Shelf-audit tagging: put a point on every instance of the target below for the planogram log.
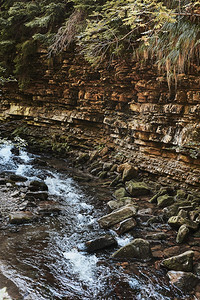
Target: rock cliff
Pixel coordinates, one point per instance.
(125, 106)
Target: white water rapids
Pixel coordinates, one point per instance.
(46, 260)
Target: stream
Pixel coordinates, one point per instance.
(47, 259)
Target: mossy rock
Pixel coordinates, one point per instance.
(138, 248)
(182, 262)
(177, 221)
(182, 234)
(120, 193)
(136, 189)
(165, 200)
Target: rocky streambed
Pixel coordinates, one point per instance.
(109, 233)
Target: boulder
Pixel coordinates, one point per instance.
(185, 281)
(182, 234)
(138, 248)
(120, 193)
(20, 217)
(121, 167)
(104, 241)
(17, 178)
(156, 236)
(126, 225)
(137, 188)
(129, 173)
(181, 262)
(115, 204)
(42, 196)
(37, 185)
(2, 181)
(165, 200)
(48, 208)
(177, 221)
(117, 216)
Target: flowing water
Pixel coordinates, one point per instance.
(47, 259)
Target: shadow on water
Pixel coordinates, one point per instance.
(46, 259)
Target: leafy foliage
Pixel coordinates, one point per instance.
(164, 32)
(24, 25)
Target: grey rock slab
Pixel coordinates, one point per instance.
(117, 216)
(138, 248)
(126, 225)
(137, 188)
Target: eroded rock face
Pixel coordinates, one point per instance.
(182, 262)
(92, 108)
(138, 248)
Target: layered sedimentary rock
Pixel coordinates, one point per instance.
(125, 106)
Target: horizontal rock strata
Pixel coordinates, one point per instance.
(126, 107)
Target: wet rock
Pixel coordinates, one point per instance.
(48, 207)
(15, 194)
(138, 248)
(103, 174)
(183, 213)
(15, 151)
(120, 193)
(17, 178)
(154, 219)
(114, 168)
(95, 171)
(156, 236)
(185, 281)
(83, 157)
(37, 185)
(129, 173)
(181, 194)
(117, 216)
(20, 217)
(107, 166)
(40, 162)
(101, 242)
(2, 181)
(121, 167)
(42, 196)
(177, 221)
(145, 211)
(116, 180)
(165, 200)
(182, 234)
(137, 188)
(115, 204)
(182, 262)
(126, 225)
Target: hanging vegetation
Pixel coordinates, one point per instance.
(164, 32)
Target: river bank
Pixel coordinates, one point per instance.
(109, 180)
